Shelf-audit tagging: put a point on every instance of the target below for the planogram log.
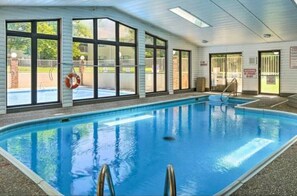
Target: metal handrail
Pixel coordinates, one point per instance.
(105, 172)
(234, 80)
(170, 185)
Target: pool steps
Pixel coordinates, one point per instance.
(169, 189)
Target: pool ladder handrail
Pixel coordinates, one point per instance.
(234, 80)
(170, 183)
(105, 172)
(169, 189)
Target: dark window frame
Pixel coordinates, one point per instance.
(34, 36)
(155, 47)
(95, 41)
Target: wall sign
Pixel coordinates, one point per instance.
(203, 63)
(293, 57)
(271, 80)
(250, 73)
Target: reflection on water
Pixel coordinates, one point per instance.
(69, 155)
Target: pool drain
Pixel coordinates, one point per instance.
(65, 120)
(168, 138)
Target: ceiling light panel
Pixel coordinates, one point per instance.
(190, 17)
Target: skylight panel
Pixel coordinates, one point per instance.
(190, 17)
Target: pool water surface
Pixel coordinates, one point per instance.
(210, 147)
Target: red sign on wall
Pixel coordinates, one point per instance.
(250, 73)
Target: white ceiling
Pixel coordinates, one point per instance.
(232, 21)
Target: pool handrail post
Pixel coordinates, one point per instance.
(170, 183)
(105, 172)
(234, 80)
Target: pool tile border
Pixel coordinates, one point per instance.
(47, 188)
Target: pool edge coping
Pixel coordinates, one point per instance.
(56, 117)
(236, 184)
(35, 178)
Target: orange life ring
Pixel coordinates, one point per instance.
(69, 81)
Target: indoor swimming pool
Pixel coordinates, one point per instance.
(210, 146)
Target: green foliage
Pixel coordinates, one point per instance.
(19, 44)
(47, 49)
(19, 26)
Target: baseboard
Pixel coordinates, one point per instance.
(286, 94)
(250, 92)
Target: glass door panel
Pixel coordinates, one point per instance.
(149, 70)
(161, 70)
(218, 77)
(176, 68)
(185, 70)
(234, 70)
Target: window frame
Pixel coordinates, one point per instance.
(155, 47)
(34, 37)
(95, 41)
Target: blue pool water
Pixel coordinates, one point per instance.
(213, 146)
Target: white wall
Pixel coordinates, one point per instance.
(288, 76)
(66, 14)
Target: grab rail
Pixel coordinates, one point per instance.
(234, 80)
(105, 172)
(170, 185)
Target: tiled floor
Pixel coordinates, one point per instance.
(276, 178)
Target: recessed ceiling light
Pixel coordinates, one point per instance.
(267, 35)
(190, 17)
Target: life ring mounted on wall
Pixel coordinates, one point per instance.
(69, 81)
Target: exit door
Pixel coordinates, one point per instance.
(269, 72)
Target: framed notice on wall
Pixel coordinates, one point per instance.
(293, 57)
(250, 73)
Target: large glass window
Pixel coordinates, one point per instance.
(32, 62)
(155, 64)
(181, 67)
(113, 70)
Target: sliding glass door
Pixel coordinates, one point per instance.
(223, 68)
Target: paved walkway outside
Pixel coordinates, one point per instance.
(277, 178)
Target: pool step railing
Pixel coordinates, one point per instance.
(234, 91)
(169, 189)
(105, 173)
(170, 184)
